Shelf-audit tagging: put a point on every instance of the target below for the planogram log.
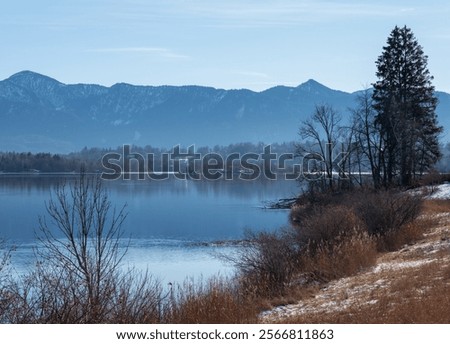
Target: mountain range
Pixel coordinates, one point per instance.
(38, 113)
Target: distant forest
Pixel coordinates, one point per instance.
(90, 158)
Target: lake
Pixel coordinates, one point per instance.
(173, 224)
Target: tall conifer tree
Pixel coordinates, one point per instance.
(405, 103)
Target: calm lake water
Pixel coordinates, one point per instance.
(171, 223)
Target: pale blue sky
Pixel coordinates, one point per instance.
(224, 44)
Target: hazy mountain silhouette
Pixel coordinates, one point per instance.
(38, 113)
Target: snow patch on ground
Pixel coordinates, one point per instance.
(430, 248)
(338, 296)
(401, 265)
(441, 191)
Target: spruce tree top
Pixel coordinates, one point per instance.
(402, 70)
(405, 103)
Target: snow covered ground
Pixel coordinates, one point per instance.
(441, 191)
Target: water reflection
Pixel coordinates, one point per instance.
(159, 212)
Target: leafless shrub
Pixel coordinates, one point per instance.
(5, 256)
(309, 202)
(327, 225)
(329, 242)
(335, 241)
(266, 264)
(78, 278)
(82, 244)
(137, 299)
(396, 239)
(431, 179)
(384, 213)
(51, 295)
(380, 211)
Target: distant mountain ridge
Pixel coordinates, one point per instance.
(38, 113)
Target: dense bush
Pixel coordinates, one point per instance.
(326, 226)
(335, 242)
(328, 242)
(267, 263)
(333, 235)
(387, 211)
(383, 214)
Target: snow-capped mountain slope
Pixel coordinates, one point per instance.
(38, 113)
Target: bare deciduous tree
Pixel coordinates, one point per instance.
(323, 130)
(5, 255)
(367, 134)
(78, 277)
(82, 239)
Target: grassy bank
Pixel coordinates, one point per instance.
(408, 285)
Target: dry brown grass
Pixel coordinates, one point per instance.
(327, 226)
(409, 285)
(212, 302)
(405, 235)
(346, 257)
(435, 206)
(331, 242)
(413, 296)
